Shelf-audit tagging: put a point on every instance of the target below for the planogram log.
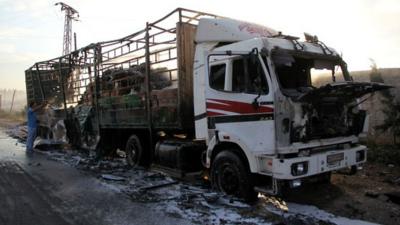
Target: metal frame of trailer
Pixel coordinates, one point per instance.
(120, 79)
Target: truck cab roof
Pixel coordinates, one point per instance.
(245, 36)
(230, 30)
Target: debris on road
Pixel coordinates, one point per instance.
(19, 132)
(371, 194)
(391, 180)
(210, 197)
(195, 201)
(394, 197)
(112, 177)
(198, 203)
(34, 164)
(150, 187)
(396, 181)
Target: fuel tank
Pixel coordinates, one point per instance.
(180, 155)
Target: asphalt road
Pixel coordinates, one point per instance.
(35, 190)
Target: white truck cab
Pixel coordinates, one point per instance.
(287, 109)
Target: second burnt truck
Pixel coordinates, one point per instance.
(254, 108)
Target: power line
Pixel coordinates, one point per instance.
(70, 15)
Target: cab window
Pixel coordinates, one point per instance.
(248, 76)
(217, 77)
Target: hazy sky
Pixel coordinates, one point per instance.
(31, 30)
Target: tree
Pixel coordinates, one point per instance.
(391, 122)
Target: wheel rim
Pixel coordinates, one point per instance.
(228, 180)
(132, 153)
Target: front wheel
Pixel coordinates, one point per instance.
(229, 175)
(134, 151)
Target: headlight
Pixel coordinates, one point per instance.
(300, 168)
(295, 183)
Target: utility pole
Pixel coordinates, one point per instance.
(12, 101)
(70, 15)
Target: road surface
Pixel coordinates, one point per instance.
(38, 191)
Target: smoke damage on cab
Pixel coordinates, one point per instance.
(321, 95)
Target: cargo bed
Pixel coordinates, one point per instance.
(143, 80)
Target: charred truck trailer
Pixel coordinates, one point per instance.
(256, 109)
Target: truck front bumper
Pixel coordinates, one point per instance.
(299, 167)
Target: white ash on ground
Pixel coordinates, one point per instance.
(192, 200)
(19, 132)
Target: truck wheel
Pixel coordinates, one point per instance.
(230, 176)
(133, 151)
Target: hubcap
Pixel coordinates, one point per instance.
(132, 153)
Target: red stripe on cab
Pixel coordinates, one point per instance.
(237, 107)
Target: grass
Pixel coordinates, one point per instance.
(387, 154)
(19, 116)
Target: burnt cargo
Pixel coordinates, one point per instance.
(122, 94)
(142, 80)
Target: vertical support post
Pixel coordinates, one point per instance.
(96, 62)
(73, 80)
(148, 87)
(92, 88)
(63, 83)
(12, 101)
(30, 89)
(40, 82)
(75, 45)
(0, 102)
(180, 15)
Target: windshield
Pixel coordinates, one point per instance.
(300, 74)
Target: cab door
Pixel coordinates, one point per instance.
(239, 101)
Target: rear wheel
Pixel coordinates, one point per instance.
(229, 175)
(134, 151)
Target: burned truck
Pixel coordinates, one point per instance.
(253, 109)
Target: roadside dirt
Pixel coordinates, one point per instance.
(361, 196)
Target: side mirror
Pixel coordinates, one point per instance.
(253, 56)
(264, 52)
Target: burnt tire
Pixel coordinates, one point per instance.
(230, 176)
(133, 151)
